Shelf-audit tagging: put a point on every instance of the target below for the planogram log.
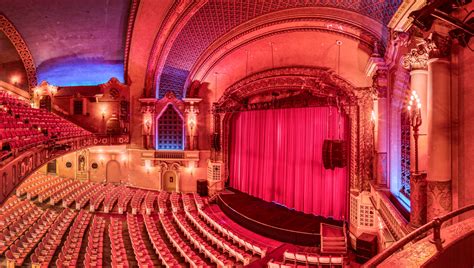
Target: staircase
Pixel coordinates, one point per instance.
(333, 239)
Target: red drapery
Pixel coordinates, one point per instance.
(276, 155)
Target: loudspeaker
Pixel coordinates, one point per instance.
(216, 142)
(202, 187)
(334, 154)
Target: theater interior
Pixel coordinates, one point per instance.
(236, 133)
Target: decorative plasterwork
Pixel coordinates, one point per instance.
(131, 22)
(177, 17)
(217, 17)
(435, 46)
(319, 82)
(114, 90)
(20, 45)
(281, 22)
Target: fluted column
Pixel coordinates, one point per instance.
(439, 190)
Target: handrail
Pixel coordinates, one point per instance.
(435, 224)
(270, 226)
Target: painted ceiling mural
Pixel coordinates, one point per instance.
(217, 17)
(73, 42)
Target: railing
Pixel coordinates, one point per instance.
(437, 240)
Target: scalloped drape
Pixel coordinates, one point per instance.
(276, 155)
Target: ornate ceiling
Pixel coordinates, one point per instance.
(86, 42)
(218, 17)
(72, 42)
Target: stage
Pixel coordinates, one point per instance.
(273, 220)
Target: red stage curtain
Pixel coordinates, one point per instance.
(276, 155)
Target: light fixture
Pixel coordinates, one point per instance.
(103, 113)
(414, 110)
(373, 117)
(15, 79)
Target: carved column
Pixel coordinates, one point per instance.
(191, 121)
(439, 128)
(148, 124)
(381, 140)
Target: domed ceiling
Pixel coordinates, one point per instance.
(72, 42)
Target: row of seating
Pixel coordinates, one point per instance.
(10, 234)
(137, 201)
(312, 259)
(71, 197)
(174, 198)
(112, 198)
(65, 192)
(119, 253)
(96, 200)
(23, 127)
(46, 249)
(95, 243)
(54, 189)
(70, 250)
(86, 196)
(37, 190)
(253, 246)
(34, 181)
(14, 210)
(18, 251)
(190, 255)
(139, 248)
(149, 204)
(162, 201)
(159, 244)
(219, 258)
(218, 239)
(125, 196)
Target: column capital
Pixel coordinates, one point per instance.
(417, 58)
(380, 82)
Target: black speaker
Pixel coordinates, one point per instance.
(334, 154)
(216, 142)
(202, 187)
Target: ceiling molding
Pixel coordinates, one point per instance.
(128, 39)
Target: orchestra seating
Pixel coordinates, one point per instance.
(158, 228)
(23, 127)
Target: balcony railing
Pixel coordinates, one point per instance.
(434, 225)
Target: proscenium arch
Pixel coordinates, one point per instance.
(355, 102)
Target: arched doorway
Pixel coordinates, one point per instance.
(113, 172)
(170, 181)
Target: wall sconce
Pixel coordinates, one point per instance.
(414, 109)
(101, 160)
(147, 166)
(15, 80)
(103, 113)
